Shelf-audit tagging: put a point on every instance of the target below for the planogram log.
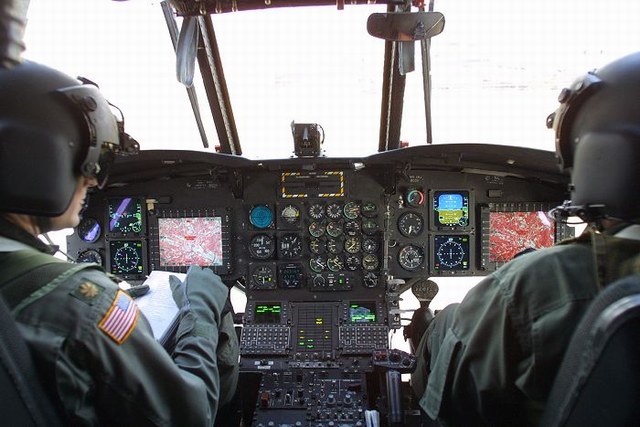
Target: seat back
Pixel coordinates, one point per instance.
(598, 382)
(23, 400)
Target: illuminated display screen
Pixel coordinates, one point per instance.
(267, 313)
(315, 325)
(362, 312)
(451, 209)
(125, 215)
(126, 257)
(510, 233)
(190, 241)
(451, 252)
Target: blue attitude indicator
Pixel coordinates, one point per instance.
(261, 216)
(451, 209)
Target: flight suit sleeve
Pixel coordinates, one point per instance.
(112, 368)
(470, 353)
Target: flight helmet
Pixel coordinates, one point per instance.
(597, 127)
(53, 129)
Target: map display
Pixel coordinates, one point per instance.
(513, 232)
(190, 241)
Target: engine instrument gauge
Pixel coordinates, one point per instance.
(335, 263)
(352, 228)
(261, 246)
(370, 280)
(369, 245)
(261, 216)
(415, 198)
(316, 229)
(352, 245)
(370, 262)
(334, 229)
(89, 230)
(410, 224)
(369, 209)
(290, 246)
(317, 246)
(369, 226)
(353, 262)
(334, 246)
(316, 211)
(351, 210)
(317, 264)
(334, 211)
(411, 257)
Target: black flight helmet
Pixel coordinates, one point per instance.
(597, 128)
(53, 129)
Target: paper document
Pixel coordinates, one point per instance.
(158, 305)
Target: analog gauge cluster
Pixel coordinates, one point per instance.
(343, 236)
(322, 242)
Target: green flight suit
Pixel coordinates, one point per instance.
(491, 359)
(100, 362)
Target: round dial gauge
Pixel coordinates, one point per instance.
(290, 246)
(334, 246)
(415, 198)
(89, 230)
(450, 253)
(263, 277)
(261, 246)
(334, 229)
(370, 262)
(290, 214)
(353, 262)
(369, 245)
(334, 211)
(410, 224)
(369, 209)
(351, 210)
(317, 264)
(317, 246)
(352, 228)
(369, 226)
(335, 263)
(352, 245)
(261, 216)
(316, 211)
(411, 257)
(316, 229)
(90, 256)
(126, 259)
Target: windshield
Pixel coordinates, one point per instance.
(496, 69)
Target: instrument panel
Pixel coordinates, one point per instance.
(320, 247)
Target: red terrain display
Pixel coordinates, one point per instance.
(190, 241)
(513, 232)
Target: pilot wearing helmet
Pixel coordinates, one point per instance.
(94, 350)
(492, 359)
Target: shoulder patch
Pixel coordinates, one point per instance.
(87, 292)
(120, 319)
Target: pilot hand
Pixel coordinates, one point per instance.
(420, 321)
(202, 293)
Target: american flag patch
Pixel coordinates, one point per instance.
(120, 319)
